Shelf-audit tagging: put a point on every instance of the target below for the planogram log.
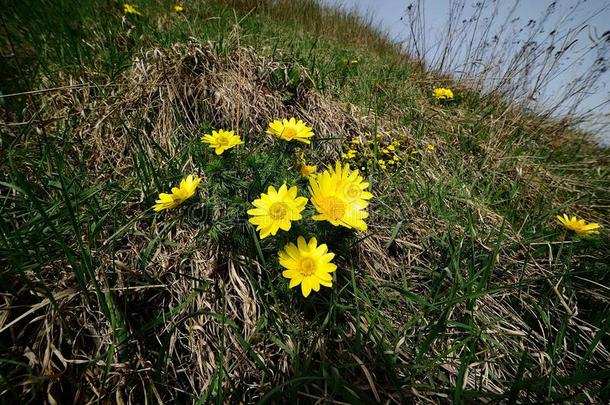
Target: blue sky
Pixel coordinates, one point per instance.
(567, 15)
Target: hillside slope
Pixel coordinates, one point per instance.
(463, 287)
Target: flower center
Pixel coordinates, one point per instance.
(352, 191)
(223, 141)
(308, 266)
(334, 208)
(278, 210)
(289, 132)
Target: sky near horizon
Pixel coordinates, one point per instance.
(390, 16)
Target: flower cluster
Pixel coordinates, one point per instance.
(133, 10)
(384, 150)
(130, 9)
(443, 94)
(338, 194)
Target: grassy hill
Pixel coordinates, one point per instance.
(463, 287)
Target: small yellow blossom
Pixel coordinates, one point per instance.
(350, 154)
(179, 194)
(353, 61)
(130, 9)
(178, 8)
(303, 168)
(307, 170)
(307, 264)
(222, 140)
(391, 147)
(290, 130)
(442, 93)
(355, 141)
(578, 225)
(430, 147)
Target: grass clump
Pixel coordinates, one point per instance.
(463, 285)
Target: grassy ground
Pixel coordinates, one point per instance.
(463, 288)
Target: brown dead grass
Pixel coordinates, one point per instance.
(168, 93)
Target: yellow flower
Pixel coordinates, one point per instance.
(350, 154)
(441, 93)
(307, 264)
(430, 147)
(307, 170)
(130, 9)
(338, 198)
(578, 225)
(353, 61)
(304, 169)
(355, 141)
(289, 130)
(186, 190)
(275, 210)
(178, 8)
(222, 140)
(391, 147)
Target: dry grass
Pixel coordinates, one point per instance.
(171, 92)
